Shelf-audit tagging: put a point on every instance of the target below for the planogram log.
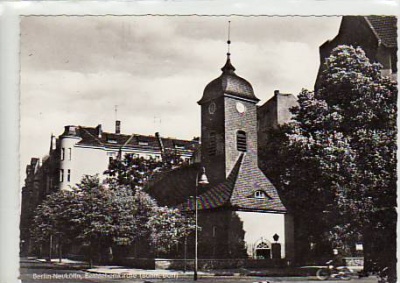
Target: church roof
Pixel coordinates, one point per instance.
(236, 192)
(385, 29)
(228, 83)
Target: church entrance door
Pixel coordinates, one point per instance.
(263, 251)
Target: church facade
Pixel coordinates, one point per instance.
(240, 212)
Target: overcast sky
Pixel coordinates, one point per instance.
(74, 70)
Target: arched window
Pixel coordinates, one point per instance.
(263, 250)
(212, 144)
(241, 141)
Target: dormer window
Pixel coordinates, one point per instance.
(260, 194)
(241, 141)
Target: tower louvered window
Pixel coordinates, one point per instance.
(212, 145)
(241, 141)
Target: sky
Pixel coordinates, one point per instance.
(76, 69)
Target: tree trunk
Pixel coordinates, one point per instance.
(59, 249)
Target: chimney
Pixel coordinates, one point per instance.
(99, 131)
(53, 143)
(69, 130)
(160, 143)
(117, 127)
(276, 92)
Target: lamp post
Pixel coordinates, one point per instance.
(199, 181)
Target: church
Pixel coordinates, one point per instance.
(240, 213)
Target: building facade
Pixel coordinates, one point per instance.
(88, 150)
(273, 113)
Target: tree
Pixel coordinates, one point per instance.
(161, 227)
(105, 215)
(337, 159)
(136, 172)
(93, 214)
(167, 227)
(52, 219)
(114, 213)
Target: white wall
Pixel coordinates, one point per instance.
(259, 225)
(89, 161)
(67, 161)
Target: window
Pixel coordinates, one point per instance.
(259, 194)
(241, 141)
(69, 153)
(69, 175)
(62, 153)
(212, 144)
(61, 175)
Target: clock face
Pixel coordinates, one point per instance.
(240, 107)
(212, 108)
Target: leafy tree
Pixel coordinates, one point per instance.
(93, 214)
(337, 159)
(167, 227)
(117, 212)
(136, 172)
(52, 219)
(161, 227)
(105, 215)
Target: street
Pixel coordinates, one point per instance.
(34, 272)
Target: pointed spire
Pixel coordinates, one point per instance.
(229, 38)
(228, 65)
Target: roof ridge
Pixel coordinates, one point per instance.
(212, 197)
(131, 136)
(373, 29)
(235, 170)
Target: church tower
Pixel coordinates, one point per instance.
(228, 123)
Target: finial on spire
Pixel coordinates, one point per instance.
(229, 38)
(228, 68)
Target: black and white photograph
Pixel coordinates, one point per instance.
(183, 148)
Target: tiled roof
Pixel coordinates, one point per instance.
(176, 186)
(237, 191)
(228, 83)
(249, 180)
(89, 137)
(218, 195)
(385, 27)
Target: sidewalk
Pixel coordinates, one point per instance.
(127, 272)
(163, 273)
